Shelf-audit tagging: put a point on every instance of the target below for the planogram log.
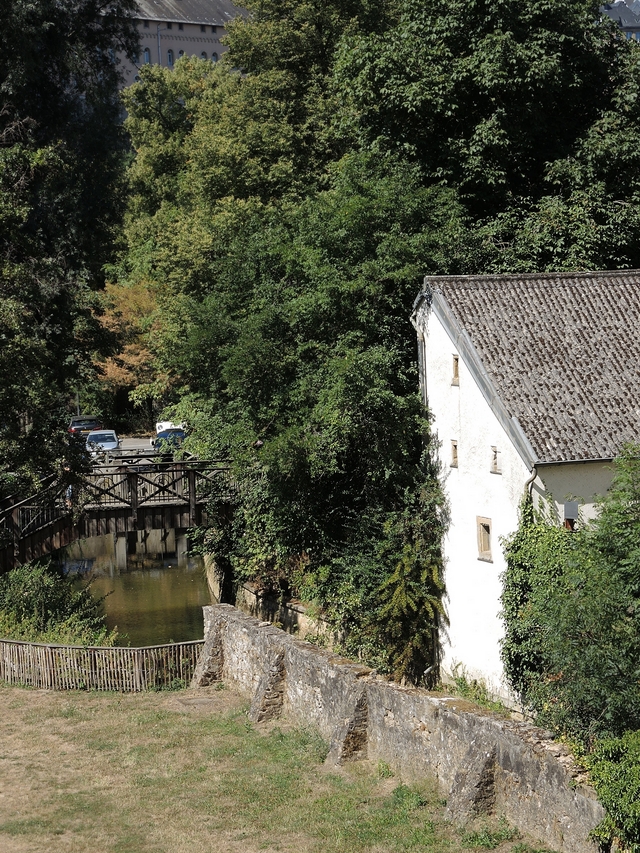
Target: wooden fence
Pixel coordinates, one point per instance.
(127, 670)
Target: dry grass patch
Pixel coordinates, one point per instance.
(186, 772)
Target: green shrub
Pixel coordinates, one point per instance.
(615, 770)
(571, 606)
(38, 604)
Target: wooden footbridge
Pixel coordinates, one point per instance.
(118, 498)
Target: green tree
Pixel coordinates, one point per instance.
(61, 158)
(530, 110)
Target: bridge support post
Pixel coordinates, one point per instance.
(15, 529)
(132, 483)
(191, 475)
(121, 551)
(182, 546)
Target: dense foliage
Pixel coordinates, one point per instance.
(38, 604)
(572, 643)
(280, 221)
(61, 159)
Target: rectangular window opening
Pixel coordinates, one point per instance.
(203, 29)
(180, 26)
(456, 371)
(484, 539)
(145, 24)
(495, 461)
(169, 25)
(454, 454)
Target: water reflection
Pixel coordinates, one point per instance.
(150, 601)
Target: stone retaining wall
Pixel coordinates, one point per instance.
(483, 763)
(290, 615)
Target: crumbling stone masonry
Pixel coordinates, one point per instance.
(483, 763)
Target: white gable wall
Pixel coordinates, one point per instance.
(461, 413)
(581, 481)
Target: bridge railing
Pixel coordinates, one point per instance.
(150, 483)
(126, 494)
(123, 669)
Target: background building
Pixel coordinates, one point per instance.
(626, 15)
(170, 29)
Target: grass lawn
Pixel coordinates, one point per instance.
(185, 771)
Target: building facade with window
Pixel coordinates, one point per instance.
(626, 15)
(532, 385)
(170, 29)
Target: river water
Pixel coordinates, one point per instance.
(150, 601)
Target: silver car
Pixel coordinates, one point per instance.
(102, 442)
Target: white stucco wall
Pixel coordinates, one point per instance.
(461, 413)
(581, 481)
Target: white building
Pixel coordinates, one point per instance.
(532, 381)
(170, 29)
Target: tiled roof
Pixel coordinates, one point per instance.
(562, 352)
(214, 12)
(621, 14)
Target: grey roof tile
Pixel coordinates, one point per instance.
(214, 12)
(562, 351)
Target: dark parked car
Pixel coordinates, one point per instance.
(84, 424)
(169, 438)
(168, 442)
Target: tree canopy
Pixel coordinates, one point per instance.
(61, 161)
(284, 205)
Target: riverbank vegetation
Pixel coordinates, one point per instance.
(572, 646)
(38, 604)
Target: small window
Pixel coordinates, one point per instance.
(170, 59)
(484, 539)
(136, 79)
(146, 56)
(203, 29)
(169, 25)
(214, 57)
(213, 30)
(203, 55)
(180, 53)
(455, 379)
(495, 461)
(180, 26)
(145, 24)
(454, 454)
(570, 514)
